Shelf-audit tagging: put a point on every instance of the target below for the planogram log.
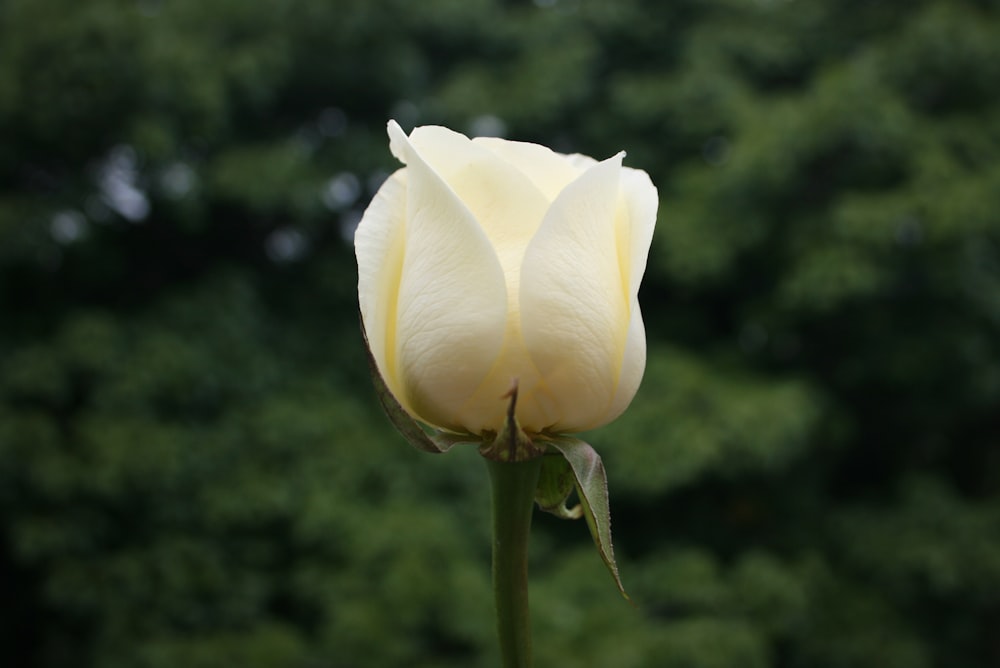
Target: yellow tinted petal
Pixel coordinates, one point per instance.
(639, 205)
(633, 365)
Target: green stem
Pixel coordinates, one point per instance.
(513, 487)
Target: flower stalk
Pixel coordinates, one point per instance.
(513, 485)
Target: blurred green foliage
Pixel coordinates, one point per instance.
(193, 469)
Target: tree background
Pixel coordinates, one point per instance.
(193, 468)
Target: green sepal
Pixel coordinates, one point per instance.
(432, 440)
(555, 484)
(592, 489)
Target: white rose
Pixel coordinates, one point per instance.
(487, 261)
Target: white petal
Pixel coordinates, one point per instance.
(378, 244)
(452, 312)
(549, 171)
(580, 161)
(574, 315)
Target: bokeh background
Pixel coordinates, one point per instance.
(193, 467)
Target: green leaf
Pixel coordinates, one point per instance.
(592, 488)
(436, 442)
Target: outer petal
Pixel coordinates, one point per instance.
(452, 306)
(378, 244)
(634, 224)
(574, 314)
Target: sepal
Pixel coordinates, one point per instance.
(555, 485)
(510, 444)
(592, 490)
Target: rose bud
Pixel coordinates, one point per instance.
(486, 262)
